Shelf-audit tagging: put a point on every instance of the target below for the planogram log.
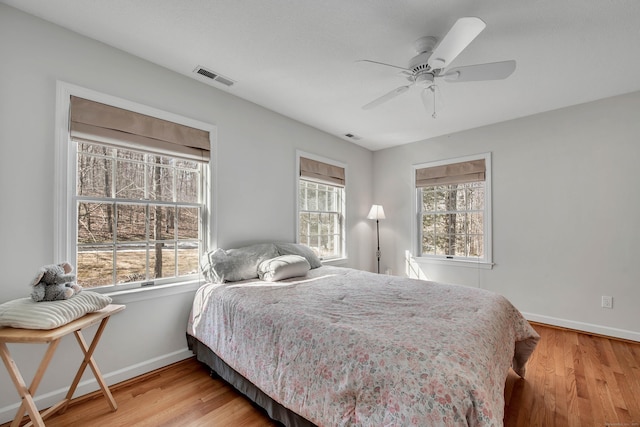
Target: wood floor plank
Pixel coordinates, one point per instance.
(569, 344)
(602, 415)
(629, 399)
(585, 410)
(572, 380)
(561, 389)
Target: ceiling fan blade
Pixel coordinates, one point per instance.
(472, 73)
(455, 41)
(386, 97)
(384, 64)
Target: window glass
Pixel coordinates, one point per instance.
(320, 218)
(139, 216)
(452, 220)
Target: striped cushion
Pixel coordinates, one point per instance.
(27, 314)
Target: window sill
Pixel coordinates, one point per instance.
(455, 262)
(150, 292)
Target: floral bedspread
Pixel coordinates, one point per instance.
(342, 347)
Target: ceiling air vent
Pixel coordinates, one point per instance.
(213, 76)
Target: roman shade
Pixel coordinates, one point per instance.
(454, 173)
(323, 172)
(95, 122)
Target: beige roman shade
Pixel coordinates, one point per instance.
(319, 171)
(95, 122)
(454, 173)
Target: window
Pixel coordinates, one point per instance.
(321, 207)
(134, 190)
(454, 215)
(138, 215)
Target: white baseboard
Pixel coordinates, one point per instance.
(585, 327)
(48, 399)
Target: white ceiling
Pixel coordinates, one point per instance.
(298, 57)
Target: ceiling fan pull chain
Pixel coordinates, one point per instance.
(433, 90)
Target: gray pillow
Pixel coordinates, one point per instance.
(283, 267)
(232, 265)
(298, 249)
(28, 314)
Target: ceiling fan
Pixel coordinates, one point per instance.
(431, 62)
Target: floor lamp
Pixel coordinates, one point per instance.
(377, 213)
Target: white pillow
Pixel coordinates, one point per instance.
(305, 251)
(232, 265)
(283, 267)
(28, 314)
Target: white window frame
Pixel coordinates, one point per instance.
(343, 242)
(487, 261)
(65, 221)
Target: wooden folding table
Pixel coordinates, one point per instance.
(53, 336)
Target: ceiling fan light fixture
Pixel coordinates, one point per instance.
(424, 79)
(432, 100)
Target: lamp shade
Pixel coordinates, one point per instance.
(376, 212)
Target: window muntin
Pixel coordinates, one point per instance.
(321, 218)
(138, 216)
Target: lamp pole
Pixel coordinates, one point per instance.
(377, 213)
(378, 251)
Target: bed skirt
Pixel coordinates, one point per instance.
(275, 410)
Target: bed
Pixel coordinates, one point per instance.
(341, 347)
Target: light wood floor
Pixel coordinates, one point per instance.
(572, 379)
(576, 379)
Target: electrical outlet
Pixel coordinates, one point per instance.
(607, 302)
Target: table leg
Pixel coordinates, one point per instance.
(28, 405)
(89, 360)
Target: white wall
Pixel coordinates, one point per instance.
(34, 55)
(565, 212)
